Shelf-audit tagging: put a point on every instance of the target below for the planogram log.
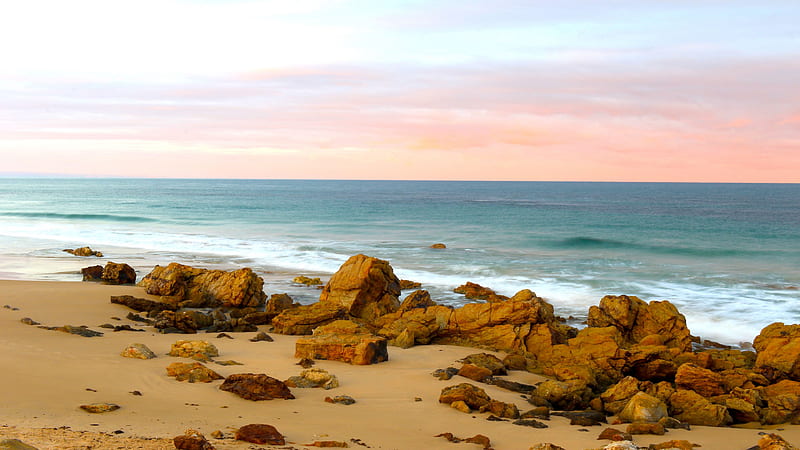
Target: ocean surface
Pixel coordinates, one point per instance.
(728, 255)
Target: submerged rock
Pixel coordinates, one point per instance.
(83, 251)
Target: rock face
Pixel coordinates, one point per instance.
(193, 287)
(636, 320)
(778, 352)
(192, 372)
(344, 341)
(692, 408)
(365, 287)
(259, 433)
(703, 381)
(256, 387)
(84, 251)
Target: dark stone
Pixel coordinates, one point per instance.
(445, 374)
(142, 304)
(137, 318)
(530, 423)
(255, 387)
(591, 414)
(261, 336)
(305, 363)
(512, 385)
(192, 441)
(28, 321)
(341, 400)
(259, 433)
(115, 273)
(92, 273)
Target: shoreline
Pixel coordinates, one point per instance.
(48, 373)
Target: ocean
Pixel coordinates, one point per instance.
(727, 255)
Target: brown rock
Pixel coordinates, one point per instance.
(488, 361)
(773, 441)
(277, 303)
(139, 351)
(474, 372)
(471, 395)
(256, 387)
(416, 299)
(187, 349)
(613, 434)
(192, 440)
(546, 446)
(142, 304)
(92, 273)
(302, 279)
(480, 440)
(259, 433)
(407, 285)
(305, 318)
(345, 341)
(477, 292)
(192, 372)
(84, 251)
(690, 407)
(616, 397)
(313, 378)
(645, 428)
(637, 320)
(502, 409)
(116, 273)
(679, 444)
(327, 444)
(99, 408)
(778, 352)
(194, 287)
(643, 408)
(365, 287)
(438, 246)
(702, 381)
(569, 395)
(783, 402)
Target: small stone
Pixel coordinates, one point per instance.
(613, 434)
(438, 245)
(259, 433)
(480, 440)
(445, 374)
(137, 393)
(261, 336)
(97, 408)
(192, 440)
(192, 372)
(530, 423)
(29, 321)
(188, 349)
(224, 335)
(341, 399)
(139, 351)
(229, 362)
(217, 434)
(305, 363)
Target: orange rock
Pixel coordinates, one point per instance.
(691, 407)
(702, 381)
(778, 352)
(365, 287)
(195, 287)
(344, 341)
(638, 320)
(304, 319)
(474, 372)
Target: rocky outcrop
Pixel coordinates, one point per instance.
(703, 381)
(782, 402)
(83, 251)
(303, 319)
(692, 408)
(344, 341)
(778, 352)
(197, 288)
(365, 287)
(636, 319)
(256, 387)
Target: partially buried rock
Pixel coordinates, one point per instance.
(192, 372)
(256, 387)
(438, 246)
(139, 351)
(645, 428)
(261, 336)
(327, 444)
(29, 321)
(488, 361)
(533, 423)
(188, 349)
(679, 444)
(259, 433)
(142, 304)
(546, 446)
(80, 331)
(97, 408)
(473, 396)
(341, 400)
(313, 378)
(83, 251)
(192, 440)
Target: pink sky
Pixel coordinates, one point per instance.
(641, 91)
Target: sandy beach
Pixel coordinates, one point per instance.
(48, 374)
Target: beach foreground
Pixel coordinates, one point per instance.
(48, 374)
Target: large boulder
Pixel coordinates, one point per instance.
(365, 286)
(778, 352)
(702, 381)
(344, 341)
(194, 287)
(637, 319)
(304, 319)
(692, 408)
(643, 408)
(118, 273)
(783, 402)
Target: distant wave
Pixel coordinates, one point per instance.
(590, 243)
(106, 217)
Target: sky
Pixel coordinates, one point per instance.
(646, 90)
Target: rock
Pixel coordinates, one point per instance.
(563, 395)
(261, 336)
(480, 440)
(529, 423)
(772, 441)
(702, 381)
(344, 341)
(511, 385)
(278, 303)
(460, 405)
(187, 349)
(474, 372)
(259, 433)
(192, 440)
(29, 321)
(501, 409)
(406, 285)
(406, 339)
(690, 407)
(592, 415)
(646, 428)
(365, 287)
(228, 362)
(84, 251)
(139, 351)
(258, 318)
(192, 372)
(613, 434)
(617, 396)
(643, 408)
(488, 361)
(416, 299)
(82, 330)
(471, 395)
(636, 320)
(142, 304)
(783, 402)
(116, 273)
(327, 444)
(194, 287)
(305, 363)
(15, 444)
(438, 245)
(679, 444)
(313, 378)
(475, 291)
(778, 352)
(540, 412)
(341, 400)
(445, 374)
(98, 408)
(546, 446)
(621, 445)
(92, 273)
(256, 387)
(302, 279)
(305, 318)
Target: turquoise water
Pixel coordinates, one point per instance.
(727, 255)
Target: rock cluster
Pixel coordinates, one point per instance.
(112, 273)
(198, 288)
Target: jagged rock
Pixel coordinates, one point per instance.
(344, 341)
(98, 408)
(690, 407)
(616, 397)
(636, 320)
(643, 408)
(139, 351)
(406, 285)
(117, 273)
(259, 433)
(277, 303)
(313, 378)
(192, 372)
(473, 396)
(783, 402)
(702, 381)
(92, 273)
(405, 339)
(256, 387)
(305, 318)
(302, 279)
(488, 361)
(182, 321)
(193, 287)
(417, 299)
(365, 287)
(475, 291)
(778, 352)
(188, 349)
(511, 385)
(83, 251)
(192, 440)
(142, 304)
(341, 400)
(474, 372)
(773, 441)
(600, 355)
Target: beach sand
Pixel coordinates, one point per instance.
(47, 374)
